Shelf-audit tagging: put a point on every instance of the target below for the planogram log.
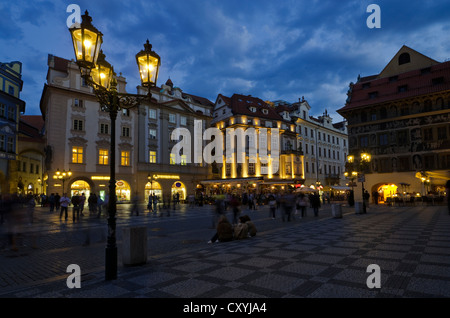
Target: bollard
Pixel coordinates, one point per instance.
(336, 210)
(134, 245)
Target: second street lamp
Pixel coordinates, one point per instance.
(99, 74)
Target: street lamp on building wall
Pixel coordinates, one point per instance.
(358, 167)
(63, 176)
(99, 74)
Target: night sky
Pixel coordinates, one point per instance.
(274, 50)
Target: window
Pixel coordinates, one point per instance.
(125, 131)
(24, 166)
(37, 169)
(126, 112)
(373, 95)
(152, 157)
(253, 109)
(78, 124)
(11, 113)
(404, 58)
(172, 118)
(10, 144)
(383, 140)
(312, 133)
(152, 113)
(402, 137)
(364, 141)
(328, 138)
(251, 168)
(125, 158)
(152, 133)
(172, 159)
(2, 110)
(307, 167)
(428, 134)
(183, 160)
(313, 168)
(306, 132)
(183, 120)
(402, 88)
(393, 79)
(442, 133)
(104, 129)
(318, 135)
(304, 114)
(77, 154)
(103, 157)
(438, 80)
(320, 152)
(365, 85)
(78, 103)
(11, 90)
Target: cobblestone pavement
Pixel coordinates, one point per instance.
(322, 257)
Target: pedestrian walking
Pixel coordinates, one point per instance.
(76, 207)
(92, 203)
(100, 204)
(51, 201)
(135, 206)
(82, 202)
(235, 204)
(64, 201)
(272, 206)
(57, 203)
(31, 203)
(302, 203)
(315, 203)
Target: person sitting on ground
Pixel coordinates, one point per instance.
(224, 230)
(251, 226)
(241, 229)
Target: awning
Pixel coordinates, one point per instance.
(340, 188)
(237, 180)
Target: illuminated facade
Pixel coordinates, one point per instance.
(284, 167)
(78, 132)
(401, 117)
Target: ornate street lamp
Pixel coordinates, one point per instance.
(63, 176)
(357, 168)
(99, 74)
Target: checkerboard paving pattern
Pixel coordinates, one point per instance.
(323, 259)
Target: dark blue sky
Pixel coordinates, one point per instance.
(274, 50)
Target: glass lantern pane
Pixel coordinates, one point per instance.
(148, 67)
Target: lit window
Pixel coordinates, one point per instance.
(103, 157)
(183, 160)
(77, 154)
(172, 159)
(152, 157)
(125, 158)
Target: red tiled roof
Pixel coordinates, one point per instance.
(35, 121)
(240, 105)
(416, 82)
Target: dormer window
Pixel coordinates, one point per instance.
(404, 58)
(265, 111)
(253, 109)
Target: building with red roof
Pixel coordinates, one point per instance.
(401, 117)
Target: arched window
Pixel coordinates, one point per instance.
(404, 58)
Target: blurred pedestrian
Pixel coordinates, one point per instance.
(100, 204)
(82, 202)
(302, 202)
(51, 201)
(272, 206)
(64, 201)
(135, 206)
(57, 203)
(315, 202)
(92, 203)
(235, 204)
(76, 206)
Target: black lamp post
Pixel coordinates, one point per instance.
(359, 167)
(99, 74)
(63, 176)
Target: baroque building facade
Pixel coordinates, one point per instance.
(78, 131)
(270, 159)
(401, 117)
(11, 106)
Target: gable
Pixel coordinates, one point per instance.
(406, 60)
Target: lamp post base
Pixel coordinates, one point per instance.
(111, 263)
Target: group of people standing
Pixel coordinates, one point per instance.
(291, 204)
(62, 203)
